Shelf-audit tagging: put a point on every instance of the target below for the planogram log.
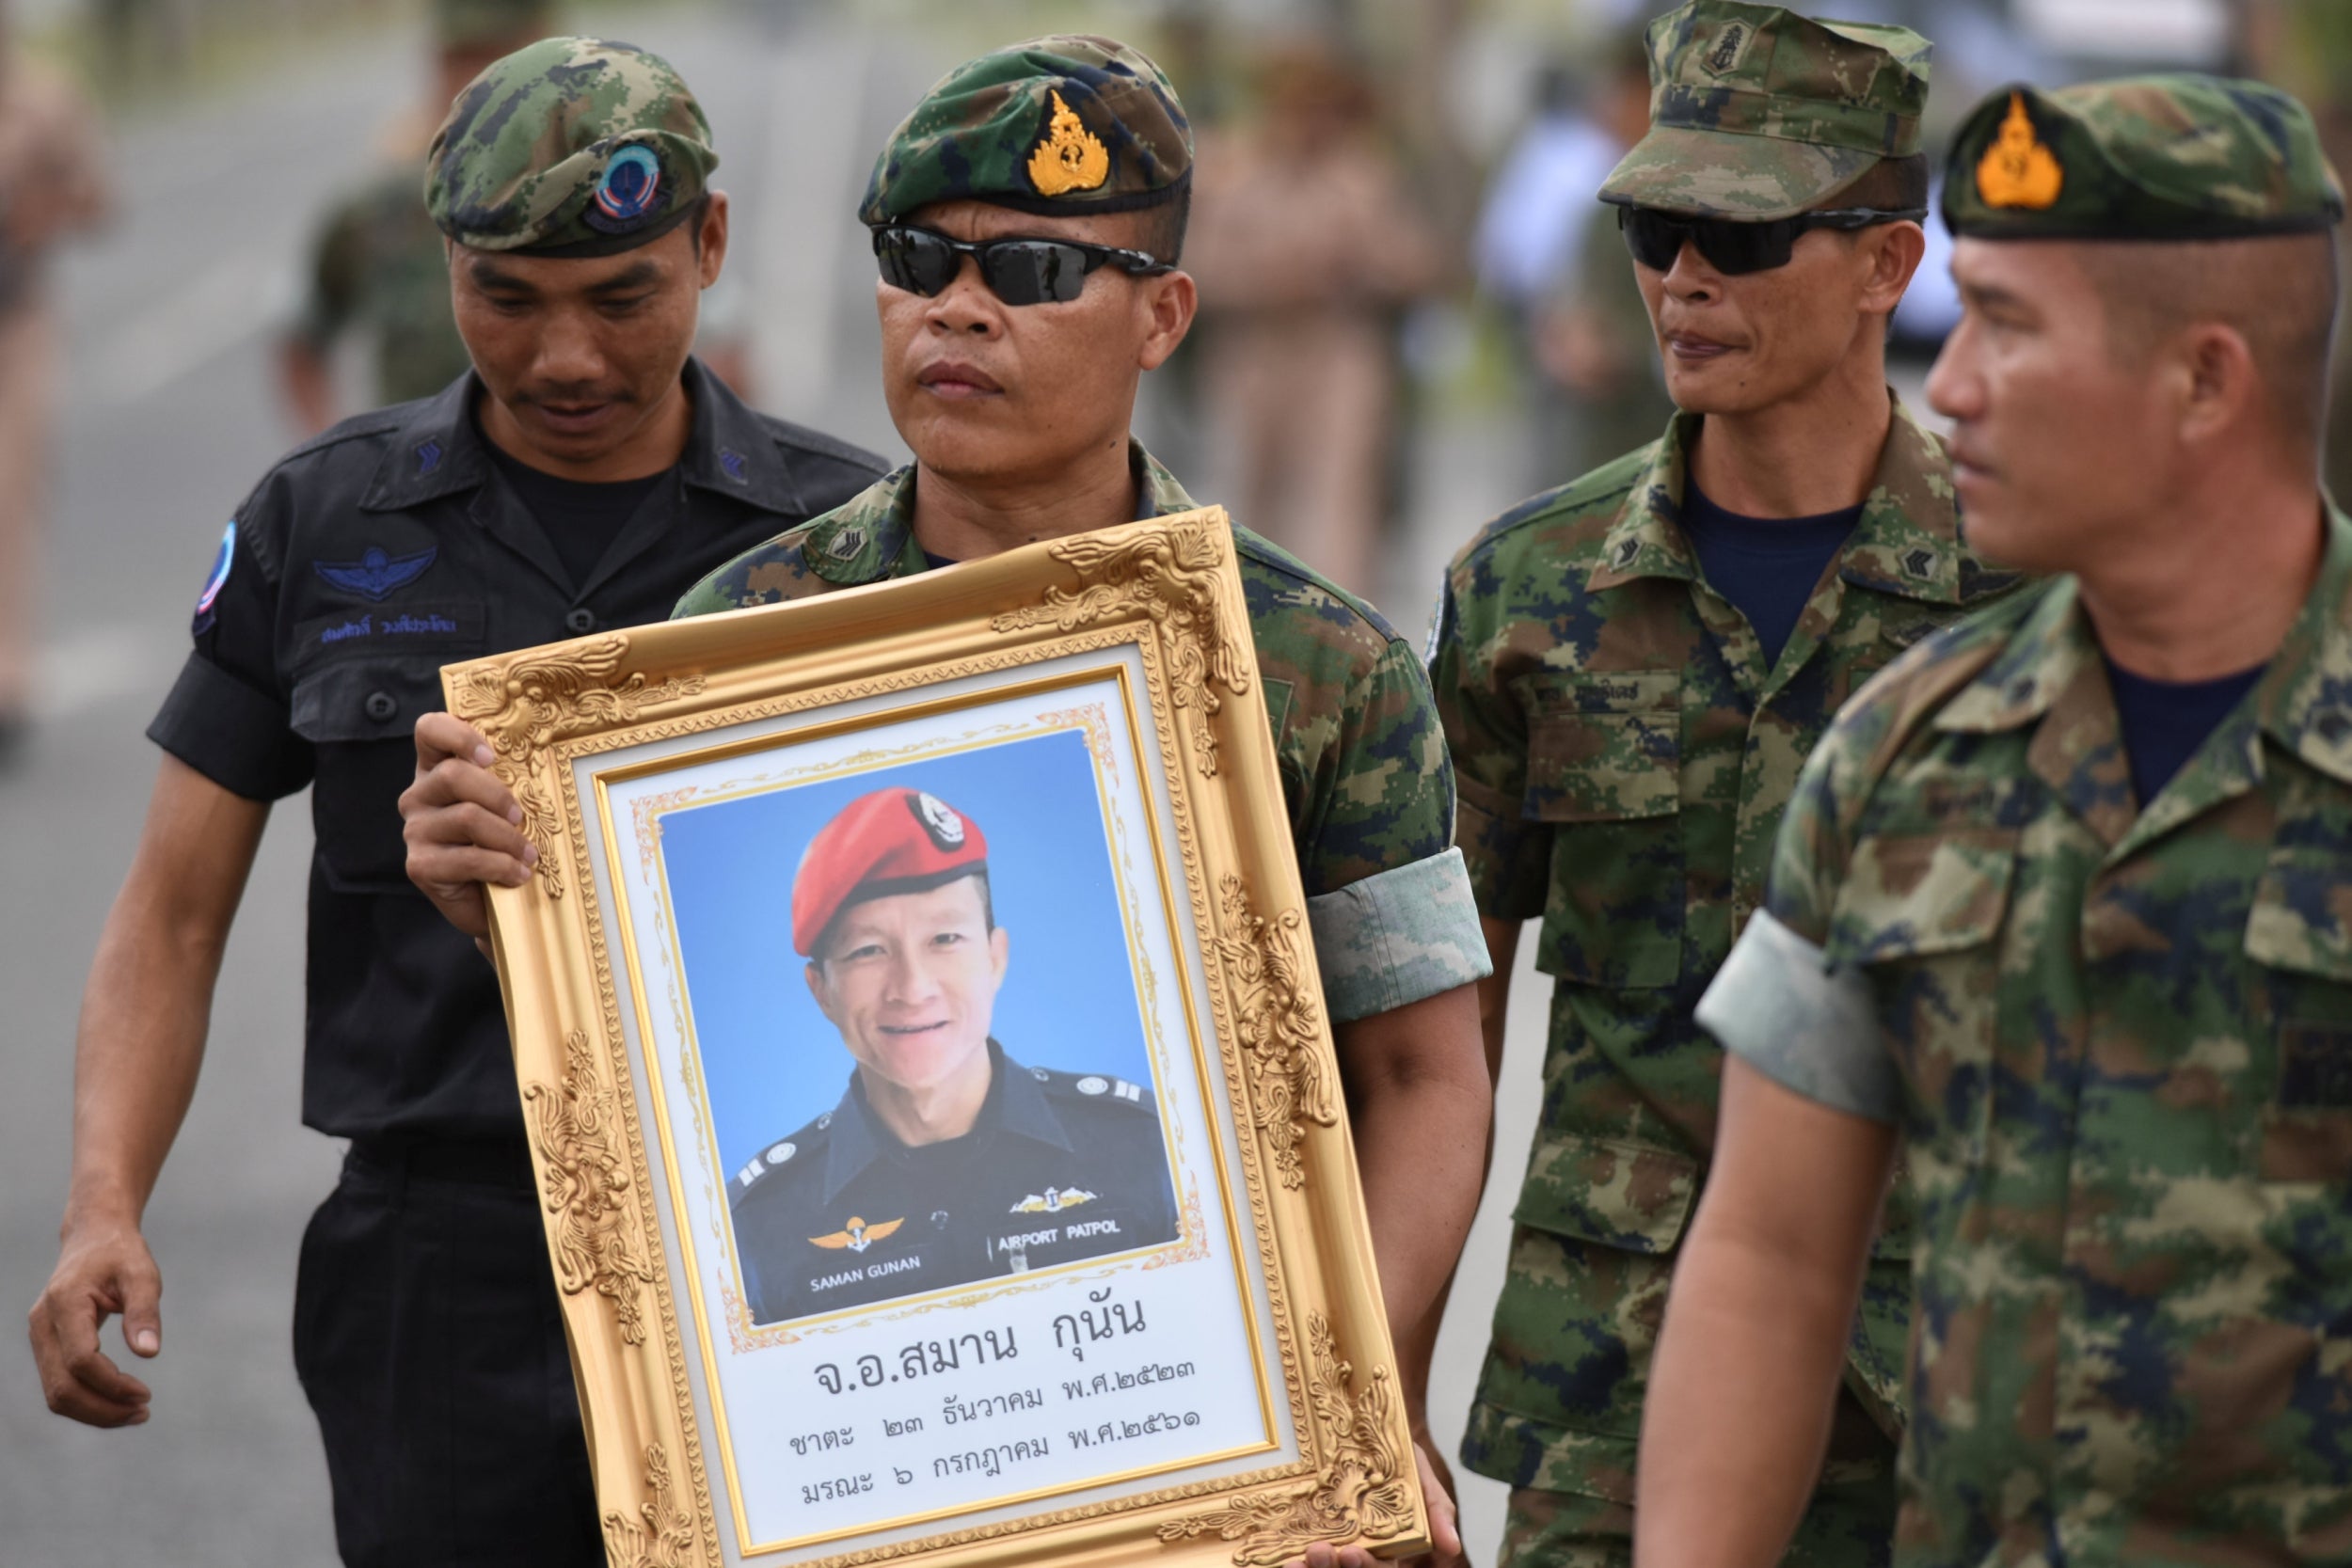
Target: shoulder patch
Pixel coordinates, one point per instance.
(1094, 1088)
(794, 1149)
(223, 563)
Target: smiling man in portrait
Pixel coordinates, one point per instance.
(946, 1160)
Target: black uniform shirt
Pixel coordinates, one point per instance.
(361, 564)
(1060, 1166)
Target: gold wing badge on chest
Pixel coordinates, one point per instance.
(857, 1235)
(1052, 1202)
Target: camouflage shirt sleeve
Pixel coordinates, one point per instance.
(1380, 795)
(1508, 857)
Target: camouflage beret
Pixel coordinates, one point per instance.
(2170, 157)
(571, 147)
(470, 24)
(1758, 113)
(1061, 124)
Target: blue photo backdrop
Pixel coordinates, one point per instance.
(770, 1060)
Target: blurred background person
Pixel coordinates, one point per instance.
(53, 186)
(1307, 247)
(377, 271)
(1590, 336)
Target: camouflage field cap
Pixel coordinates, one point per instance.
(2170, 157)
(570, 147)
(471, 23)
(1062, 124)
(1758, 113)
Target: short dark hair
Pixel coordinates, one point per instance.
(2277, 292)
(1161, 229)
(821, 949)
(1890, 186)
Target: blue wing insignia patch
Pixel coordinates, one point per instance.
(375, 574)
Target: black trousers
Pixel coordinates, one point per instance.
(427, 1338)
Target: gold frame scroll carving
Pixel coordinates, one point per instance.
(908, 1429)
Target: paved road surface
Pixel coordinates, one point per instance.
(169, 416)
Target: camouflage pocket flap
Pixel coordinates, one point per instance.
(2302, 915)
(1626, 1196)
(1603, 748)
(1920, 893)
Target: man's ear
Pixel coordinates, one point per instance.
(2218, 380)
(1173, 299)
(999, 952)
(1891, 260)
(714, 237)
(817, 989)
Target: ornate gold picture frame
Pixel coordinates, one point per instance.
(1172, 1351)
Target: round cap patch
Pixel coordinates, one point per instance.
(631, 184)
(940, 820)
(1093, 1086)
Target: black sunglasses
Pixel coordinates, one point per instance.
(1730, 247)
(1019, 272)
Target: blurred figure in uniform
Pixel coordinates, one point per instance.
(53, 185)
(1307, 247)
(379, 267)
(1593, 339)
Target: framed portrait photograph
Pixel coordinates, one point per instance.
(917, 1024)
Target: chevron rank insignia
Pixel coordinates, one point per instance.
(857, 1235)
(375, 574)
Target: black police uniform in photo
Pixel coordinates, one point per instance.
(393, 544)
(1057, 1168)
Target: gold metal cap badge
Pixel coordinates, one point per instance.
(1071, 157)
(2017, 170)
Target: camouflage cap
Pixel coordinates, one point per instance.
(471, 23)
(1062, 124)
(2170, 157)
(571, 147)
(1758, 113)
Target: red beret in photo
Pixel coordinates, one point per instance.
(891, 842)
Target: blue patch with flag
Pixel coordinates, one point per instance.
(626, 191)
(217, 580)
(377, 573)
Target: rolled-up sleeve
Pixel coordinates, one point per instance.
(1779, 1006)
(1398, 937)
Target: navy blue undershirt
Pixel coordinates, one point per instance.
(2164, 723)
(1768, 567)
(936, 561)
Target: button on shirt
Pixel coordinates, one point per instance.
(360, 565)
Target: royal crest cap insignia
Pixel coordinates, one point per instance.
(1069, 157)
(2017, 170)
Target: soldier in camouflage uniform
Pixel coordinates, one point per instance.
(379, 265)
(584, 475)
(1017, 413)
(2060, 902)
(1632, 670)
